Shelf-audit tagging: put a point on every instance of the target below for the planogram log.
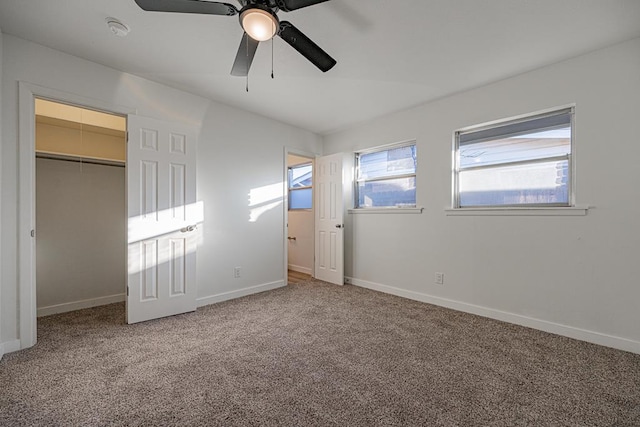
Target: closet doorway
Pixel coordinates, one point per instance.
(81, 222)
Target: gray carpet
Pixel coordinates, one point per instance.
(313, 354)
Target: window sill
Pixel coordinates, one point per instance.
(390, 210)
(524, 211)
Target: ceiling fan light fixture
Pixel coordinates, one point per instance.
(260, 24)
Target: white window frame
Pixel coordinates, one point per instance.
(292, 189)
(383, 209)
(543, 209)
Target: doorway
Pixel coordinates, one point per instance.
(149, 232)
(299, 216)
(80, 157)
(27, 94)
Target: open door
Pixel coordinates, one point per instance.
(331, 195)
(162, 218)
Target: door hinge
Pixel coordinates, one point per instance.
(33, 233)
(127, 291)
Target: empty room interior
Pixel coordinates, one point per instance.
(319, 212)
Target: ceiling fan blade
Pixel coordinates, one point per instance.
(305, 46)
(188, 6)
(244, 57)
(289, 5)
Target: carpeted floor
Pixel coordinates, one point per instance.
(313, 354)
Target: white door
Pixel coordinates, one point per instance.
(329, 224)
(162, 219)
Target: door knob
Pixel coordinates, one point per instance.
(339, 225)
(188, 228)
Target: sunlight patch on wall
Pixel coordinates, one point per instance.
(263, 199)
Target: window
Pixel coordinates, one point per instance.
(386, 177)
(301, 186)
(526, 162)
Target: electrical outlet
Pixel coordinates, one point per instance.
(236, 272)
(439, 279)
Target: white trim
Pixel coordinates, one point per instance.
(27, 92)
(79, 305)
(300, 269)
(355, 180)
(226, 296)
(9, 347)
(519, 211)
(570, 108)
(389, 210)
(26, 217)
(543, 325)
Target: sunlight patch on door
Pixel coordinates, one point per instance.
(185, 238)
(146, 227)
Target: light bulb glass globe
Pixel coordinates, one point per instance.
(259, 24)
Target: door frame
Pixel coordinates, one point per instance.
(27, 93)
(285, 225)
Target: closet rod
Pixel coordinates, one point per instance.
(80, 160)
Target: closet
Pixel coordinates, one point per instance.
(80, 208)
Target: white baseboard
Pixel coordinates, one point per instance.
(8, 347)
(300, 269)
(78, 305)
(543, 325)
(226, 296)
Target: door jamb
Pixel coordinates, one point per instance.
(312, 157)
(27, 93)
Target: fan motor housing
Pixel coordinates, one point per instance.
(253, 7)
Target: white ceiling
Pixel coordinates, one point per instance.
(391, 54)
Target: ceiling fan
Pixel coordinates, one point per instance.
(259, 20)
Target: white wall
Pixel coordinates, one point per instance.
(242, 185)
(81, 240)
(237, 152)
(577, 276)
(301, 250)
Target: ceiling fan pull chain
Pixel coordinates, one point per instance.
(272, 57)
(247, 86)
